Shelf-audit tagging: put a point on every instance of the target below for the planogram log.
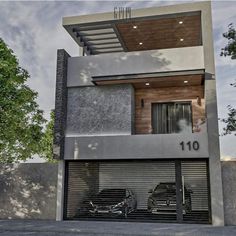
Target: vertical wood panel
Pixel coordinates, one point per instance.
(143, 124)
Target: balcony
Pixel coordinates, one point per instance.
(118, 67)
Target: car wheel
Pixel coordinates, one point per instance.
(188, 205)
(125, 212)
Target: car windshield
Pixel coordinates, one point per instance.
(112, 193)
(165, 187)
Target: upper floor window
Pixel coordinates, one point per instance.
(173, 117)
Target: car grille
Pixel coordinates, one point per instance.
(161, 202)
(103, 208)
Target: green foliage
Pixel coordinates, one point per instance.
(230, 48)
(230, 121)
(47, 140)
(21, 120)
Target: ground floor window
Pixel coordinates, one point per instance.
(150, 190)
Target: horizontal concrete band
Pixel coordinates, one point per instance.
(81, 70)
(136, 147)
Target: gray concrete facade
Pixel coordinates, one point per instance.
(81, 70)
(134, 147)
(60, 190)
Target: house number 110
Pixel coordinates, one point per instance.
(190, 145)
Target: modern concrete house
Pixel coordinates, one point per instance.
(136, 130)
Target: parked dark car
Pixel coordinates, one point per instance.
(163, 199)
(113, 202)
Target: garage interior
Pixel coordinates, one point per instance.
(85, 179)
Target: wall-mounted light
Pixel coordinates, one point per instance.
(199, 101)
(147, 84)
(181, 40)
(140, 43)
(181, 22)
(186, 81)
(135, 27)
(142, 103)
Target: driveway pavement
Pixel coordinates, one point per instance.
(102, 228)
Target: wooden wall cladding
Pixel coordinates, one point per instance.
(162, 33)
(143, 124)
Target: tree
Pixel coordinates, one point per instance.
(21, 120)
(230, 50)
(230, 121)
(47, 140)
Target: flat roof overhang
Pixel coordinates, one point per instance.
(151, 28)
(152, 81)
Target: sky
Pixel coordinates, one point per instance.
(34, 31)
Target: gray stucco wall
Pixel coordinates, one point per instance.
(229, 191)
(100, 110)
(134, 147)
(28, 191)
(82, 69)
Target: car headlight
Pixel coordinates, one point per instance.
(121, 204)
(91, 204)
(150, 200)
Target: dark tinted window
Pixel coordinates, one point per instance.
(112, 193)
(166, 187)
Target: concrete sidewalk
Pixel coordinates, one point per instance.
(103, 228)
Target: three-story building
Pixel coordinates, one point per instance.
(136, 130)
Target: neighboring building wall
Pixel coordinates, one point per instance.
(143, 119)
(28, 191)
(229, 191)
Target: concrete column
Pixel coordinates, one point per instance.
(60, 190)
(217, 206)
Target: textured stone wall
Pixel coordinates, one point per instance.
(60, 103)
(100, 110)
(28, 191)
(229, 191)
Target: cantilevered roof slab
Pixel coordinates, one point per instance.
(147, 29)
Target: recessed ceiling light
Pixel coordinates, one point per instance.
(135, 26)
(186, 81)
(147, 84)
(181, 22)
(140, 43)
(181, 40)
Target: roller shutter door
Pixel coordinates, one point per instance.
(147, 190)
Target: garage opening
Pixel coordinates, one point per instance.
(163, 191)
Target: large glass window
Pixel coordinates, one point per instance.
(171, 118)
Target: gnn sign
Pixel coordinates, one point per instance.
(122, 13)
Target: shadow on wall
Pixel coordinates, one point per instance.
(28, 191)
(118, 64)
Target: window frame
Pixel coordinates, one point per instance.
(171, 102)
